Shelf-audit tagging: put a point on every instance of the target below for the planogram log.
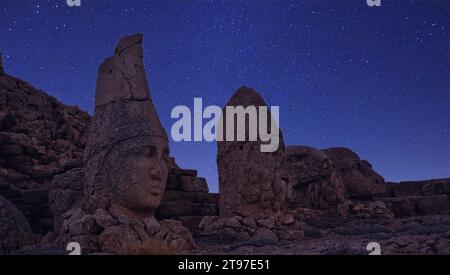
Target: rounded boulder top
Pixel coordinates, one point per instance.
(246, 96)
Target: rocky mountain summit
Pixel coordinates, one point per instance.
(40, 138)
(108, 183)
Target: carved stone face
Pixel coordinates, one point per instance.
(141, 183)
(249, 180)
(311, 179)
(360, 179)
(305, 165)
(131, 174)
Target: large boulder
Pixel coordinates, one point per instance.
(66, 194)
(15, 231)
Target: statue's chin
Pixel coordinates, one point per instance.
(144, 208)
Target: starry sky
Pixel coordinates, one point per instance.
(376, 80)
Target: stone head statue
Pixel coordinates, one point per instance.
(358, 176)
(126, 164)
(127, 154)
(311, 179)
(249, 180)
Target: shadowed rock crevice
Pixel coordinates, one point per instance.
(129, 84)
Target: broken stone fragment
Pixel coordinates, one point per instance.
(249, 222)
(123, 75)
(104, 219)
(267, 223)
(13, 225)
(152, 226)
(85, 225)
(292, 235)
(264, 234)
(232, 222)
(207, 221)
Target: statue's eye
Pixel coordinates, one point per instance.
(150, 151)
(296, 159)
(292, 159)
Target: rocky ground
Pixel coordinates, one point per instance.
(424, 235)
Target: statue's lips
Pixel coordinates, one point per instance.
(155, 191)
(306, 180)
(155, 177)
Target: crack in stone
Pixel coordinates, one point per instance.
(127, 47)
(128, 82)
(110, 146)
(127, 100)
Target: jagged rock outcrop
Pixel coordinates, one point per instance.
(67, 193)
(413, 198)
(125, 167)
(39, 138)
(312, 181)
(250, 181)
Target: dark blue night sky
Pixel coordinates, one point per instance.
(376, 80)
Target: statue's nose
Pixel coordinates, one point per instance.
(156, 172)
